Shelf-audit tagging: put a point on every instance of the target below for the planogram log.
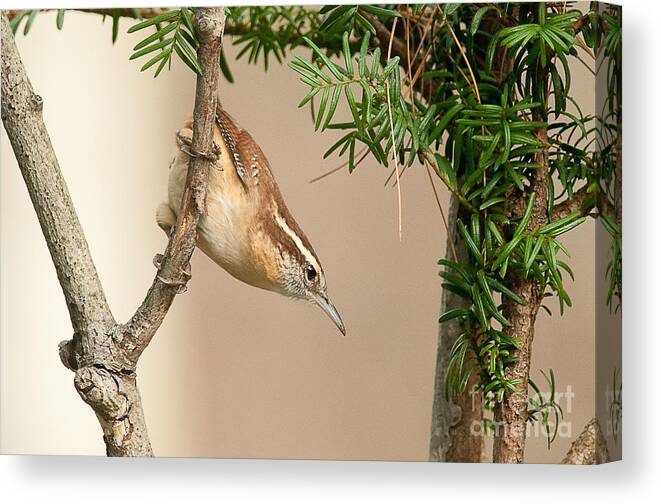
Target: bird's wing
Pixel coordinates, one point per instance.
(249, 160)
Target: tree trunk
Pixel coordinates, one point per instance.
(103, 353)
(589, 447)
(511, 415)
(456, 428)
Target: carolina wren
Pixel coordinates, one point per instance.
(247, 228)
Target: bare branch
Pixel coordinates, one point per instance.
(22, 117)
(144, 13)
(383, 35)
(113, 396)
(584, 201)
(173, 274)
(581, 201)
(102, 353)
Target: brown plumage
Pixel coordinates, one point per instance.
(247, 228)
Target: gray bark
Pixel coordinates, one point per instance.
(135, 335)
(589, 447)
(103, 353)
(453, 438)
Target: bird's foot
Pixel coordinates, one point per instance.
(181, 282)
(186, 273)
(157, 261)
(185, 143)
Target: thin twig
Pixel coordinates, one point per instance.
(440, 208)
(421, 67)
(591, 70)
(407, 36)
(392, 172)
(582, 45)
(462, 199)
(363, 154)
(425, 32)
(463, 54)
(392, 134)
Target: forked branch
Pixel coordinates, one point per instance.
(104, 354)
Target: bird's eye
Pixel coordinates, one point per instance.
(310, 273)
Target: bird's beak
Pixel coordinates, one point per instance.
(331, 311)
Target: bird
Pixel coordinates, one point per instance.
(247, 228)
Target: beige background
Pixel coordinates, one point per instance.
(235, 371)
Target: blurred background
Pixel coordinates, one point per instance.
(235, 371)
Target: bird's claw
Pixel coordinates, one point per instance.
(179, 283)
(157, 261)
(185, 143)
(186, 272)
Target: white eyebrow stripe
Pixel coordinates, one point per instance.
(297, 241)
